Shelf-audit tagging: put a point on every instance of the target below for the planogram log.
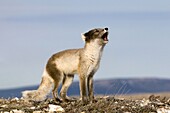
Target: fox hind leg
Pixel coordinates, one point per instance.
(55, 91)
(67, 80)
(56, 75)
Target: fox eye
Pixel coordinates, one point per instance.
(97, 30)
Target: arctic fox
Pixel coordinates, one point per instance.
(63, 65)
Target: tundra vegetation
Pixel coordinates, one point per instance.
(102, 104)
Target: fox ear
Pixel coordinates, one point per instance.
(84, 36)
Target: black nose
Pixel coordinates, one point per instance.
(106, 29)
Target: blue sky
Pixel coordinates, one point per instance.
(32, 30)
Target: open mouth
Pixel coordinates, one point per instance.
(104, 37)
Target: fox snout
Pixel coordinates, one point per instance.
(106, 29)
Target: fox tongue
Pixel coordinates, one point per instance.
(105, 38)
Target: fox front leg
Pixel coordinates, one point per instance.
(90, 88)
(83, 89)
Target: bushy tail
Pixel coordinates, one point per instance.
(43, 90)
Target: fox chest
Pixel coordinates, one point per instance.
(92, 63)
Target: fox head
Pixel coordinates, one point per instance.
(99, 34)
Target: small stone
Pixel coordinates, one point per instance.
(38, 112)
(16, 111)
(32, 107)
(55, 108)
(121, 99)
(116, 102)
(123, 107)
(15, 99)
(163, 110)
(133, 107)
(105, 97)
(3, 106)
(144, 103)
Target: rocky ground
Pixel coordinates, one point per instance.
(103, 104)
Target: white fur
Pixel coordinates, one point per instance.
(93, 53)
(43, 90)
(83, 37)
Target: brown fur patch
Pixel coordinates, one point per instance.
(52, 68)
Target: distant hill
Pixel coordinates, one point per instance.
(107, 87)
